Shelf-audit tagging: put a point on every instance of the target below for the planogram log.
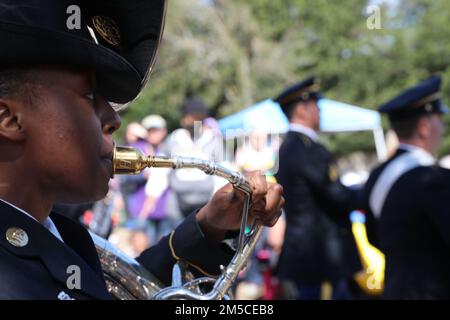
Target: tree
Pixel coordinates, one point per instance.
(235, 53)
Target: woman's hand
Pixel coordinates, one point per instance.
(223, 212)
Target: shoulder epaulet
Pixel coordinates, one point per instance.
(305, 139)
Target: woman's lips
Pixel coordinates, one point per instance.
(107, 162)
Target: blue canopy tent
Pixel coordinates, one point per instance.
(335, 116)
(266, 115)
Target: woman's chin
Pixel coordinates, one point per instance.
(85, 195)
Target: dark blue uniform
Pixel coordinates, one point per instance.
(413, 232)
(39, 269)
(318, 244)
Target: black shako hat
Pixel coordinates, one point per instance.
(118, 39)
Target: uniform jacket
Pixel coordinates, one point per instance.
(318, 243)
(413, 231)
(41, 268)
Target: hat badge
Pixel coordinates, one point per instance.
(108, 29)
(17, 237)
(305, 95)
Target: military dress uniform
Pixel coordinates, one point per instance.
(118, 40)
(36, 263)
(406, 198)
(318, 245)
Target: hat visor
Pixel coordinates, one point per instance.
(117, 80)
(317, 95)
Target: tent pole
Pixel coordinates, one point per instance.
(380, 144)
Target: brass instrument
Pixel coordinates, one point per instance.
(127, 279)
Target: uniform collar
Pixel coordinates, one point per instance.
(410, 148)
(47, 223)
(310, 133)
(55, 255)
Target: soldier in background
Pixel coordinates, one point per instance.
(406, 198)
(319, 253)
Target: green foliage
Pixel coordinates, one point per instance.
(235, 53)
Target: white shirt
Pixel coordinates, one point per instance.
(305, 130)
(48, 223)
(413, 158)
(411, 147)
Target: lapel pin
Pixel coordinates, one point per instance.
(17, 237)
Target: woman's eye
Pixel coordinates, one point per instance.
(90, 96)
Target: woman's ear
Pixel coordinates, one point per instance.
(10, 121)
